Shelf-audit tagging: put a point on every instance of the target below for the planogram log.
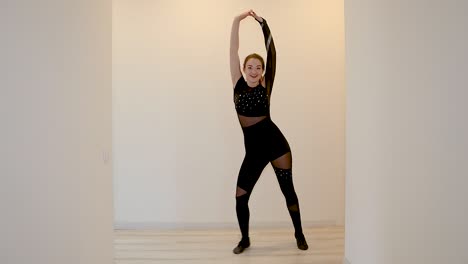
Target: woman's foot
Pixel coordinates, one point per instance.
(243, 244)
(301, 242)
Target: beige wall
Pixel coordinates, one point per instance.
(55, 109)
(406, 173)
(177, 142)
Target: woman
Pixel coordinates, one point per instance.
(264, 142)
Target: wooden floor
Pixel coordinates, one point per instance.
(268, 246)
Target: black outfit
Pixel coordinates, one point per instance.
(264, 143)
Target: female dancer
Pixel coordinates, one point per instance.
(264, 142)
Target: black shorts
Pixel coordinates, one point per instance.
(265, 139)
(264, 143)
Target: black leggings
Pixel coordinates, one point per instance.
(265, 143)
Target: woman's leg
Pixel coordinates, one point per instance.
(250, 172)
(283, 170)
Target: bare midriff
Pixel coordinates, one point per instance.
(247, 121)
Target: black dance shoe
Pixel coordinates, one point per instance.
(243, 244)
(301, 242)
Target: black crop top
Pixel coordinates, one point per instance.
(253, 102)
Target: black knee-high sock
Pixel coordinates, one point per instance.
(243, 214)
(287, 187)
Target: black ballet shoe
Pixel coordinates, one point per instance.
(243, 244)
(301, 242)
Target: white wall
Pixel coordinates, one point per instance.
(177, 143)
(55, 112)
(407, 146)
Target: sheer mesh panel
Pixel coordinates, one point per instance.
(270, 70)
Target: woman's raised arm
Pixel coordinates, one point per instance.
(270, 68)
(234, 50)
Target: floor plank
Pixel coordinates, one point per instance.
(272, 246)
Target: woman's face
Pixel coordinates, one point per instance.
(253, 70)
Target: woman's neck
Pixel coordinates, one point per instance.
(252, 84)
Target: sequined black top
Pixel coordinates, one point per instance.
(253, 102)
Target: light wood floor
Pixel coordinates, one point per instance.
(268, 246)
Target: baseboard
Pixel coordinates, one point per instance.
(346, 261)
(169, 225)
(218, 225)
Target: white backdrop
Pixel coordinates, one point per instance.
(177, 143)
(55, 112)
(406, 173)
